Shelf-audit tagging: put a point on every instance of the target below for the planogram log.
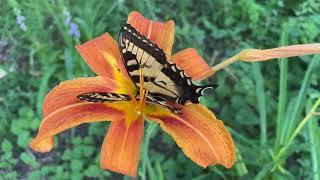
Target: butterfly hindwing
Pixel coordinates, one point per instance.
(101, 97)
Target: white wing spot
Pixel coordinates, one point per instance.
(173, 68)
(189, 82)
(131, 62)
(181, 74)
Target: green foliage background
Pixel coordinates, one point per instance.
(261, 103)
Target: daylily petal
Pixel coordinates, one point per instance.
(68, 117)
(102, 55)
(66, 92)
(121, 147)
(160, 33)
(251, 55)
(202, 137)
(192, 64)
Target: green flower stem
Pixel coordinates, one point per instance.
(146, 162)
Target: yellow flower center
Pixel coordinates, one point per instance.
(136, 107)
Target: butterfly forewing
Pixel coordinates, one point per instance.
(161, 77)
(138, 52)
(101, 97)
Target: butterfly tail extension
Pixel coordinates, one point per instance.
(201, 89)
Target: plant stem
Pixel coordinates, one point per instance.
(146, 162)
(225, 63)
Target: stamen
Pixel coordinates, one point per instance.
(142, 95)
(141, 79)
(145, 97)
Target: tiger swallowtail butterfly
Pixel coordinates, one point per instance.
(164, 80)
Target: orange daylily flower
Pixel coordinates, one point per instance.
(201, 136)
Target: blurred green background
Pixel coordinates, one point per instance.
(261, 103)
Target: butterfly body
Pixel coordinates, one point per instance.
(164, 80)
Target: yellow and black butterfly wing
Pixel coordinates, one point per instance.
(138, 52)
(162, 78)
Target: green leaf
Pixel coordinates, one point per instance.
(28, 159)
(24, 139)
(6, 146)
(92, 171)
(35, 175)
(76, 165)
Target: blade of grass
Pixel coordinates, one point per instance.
(268, 168)
(145, 158)
(282, 99)
(313, 132)
(261, 98)
(217, 172)
(298, 108)
(283, 150)
(201, 177)
(159, 170)
(240, 166)
(43, 88)
(68, 63)
(294, 107)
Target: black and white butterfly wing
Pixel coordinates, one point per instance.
(161, 77)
